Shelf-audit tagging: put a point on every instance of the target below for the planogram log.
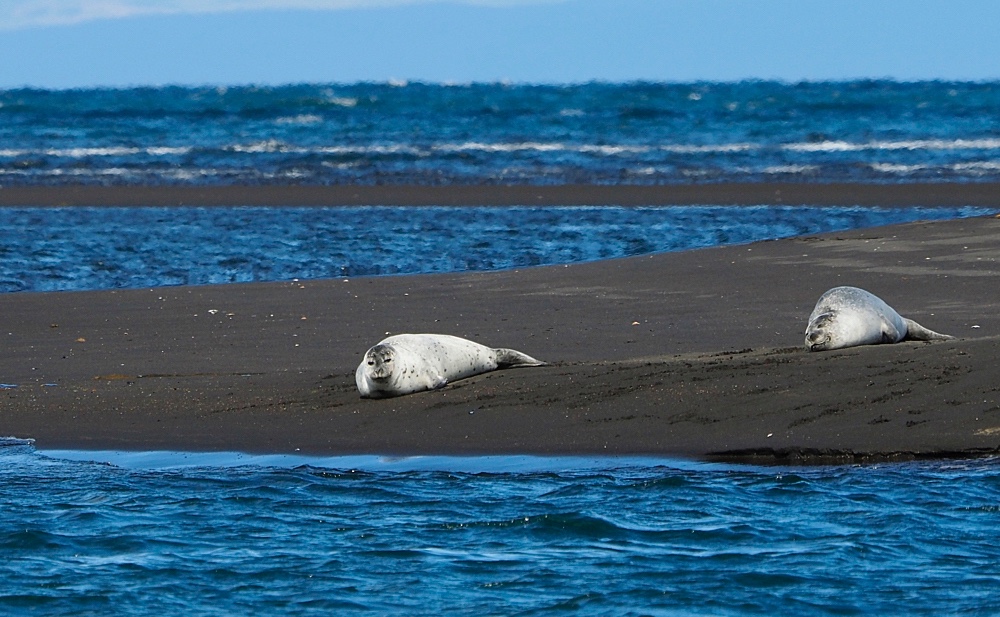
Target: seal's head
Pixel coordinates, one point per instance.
(378, 362)
(834, 330)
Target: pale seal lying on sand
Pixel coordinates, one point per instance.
(407, 363)
(848, 316)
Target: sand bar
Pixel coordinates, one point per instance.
(917, 194)
(695, 354)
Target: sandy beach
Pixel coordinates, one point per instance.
(696, 354)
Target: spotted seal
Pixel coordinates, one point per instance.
(407, 363)
(849, 316)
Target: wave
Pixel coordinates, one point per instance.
(354, 171)
(420, 133)
(272, 146)
(911, 144)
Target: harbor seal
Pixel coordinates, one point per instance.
(407, 363)
(848, 316)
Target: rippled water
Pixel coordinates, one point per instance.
(51, 249)
(155, 534)
(418, 133)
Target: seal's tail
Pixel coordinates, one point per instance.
(916, 332)
(509, 358)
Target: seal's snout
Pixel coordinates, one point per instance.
(818, 335)
(379, 363)
(379, 369)
(816, 340)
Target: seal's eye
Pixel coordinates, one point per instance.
(371, 363)
(388, 360)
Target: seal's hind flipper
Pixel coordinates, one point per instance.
(509, 358)
(916, 332)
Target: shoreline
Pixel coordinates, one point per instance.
(742, 194)
(694, 355)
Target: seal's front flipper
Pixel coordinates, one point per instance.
(916, 332)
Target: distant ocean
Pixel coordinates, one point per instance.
(151, 533)
(430, 134)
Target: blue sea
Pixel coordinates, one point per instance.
(431, 134)
(63, 249)
(170, 533)
(110, 533)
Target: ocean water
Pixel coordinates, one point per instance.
(379, 133)
(63, 249)
(165, 533)
(109, 533)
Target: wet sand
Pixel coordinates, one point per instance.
(764, 193)
(696, 354)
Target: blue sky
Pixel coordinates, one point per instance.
(80, 43)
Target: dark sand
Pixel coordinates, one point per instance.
(695, 354)
(935, 194)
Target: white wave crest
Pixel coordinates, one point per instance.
(605, 149)
(264, 147)
(791, 169)
(80, 153)
(167, 151)
(377, 149)
(343, 101)
(299, 119)
(911, 144)
(500, 147)
(612, 150)
(894, 168)
(709, 149)
(985, 166)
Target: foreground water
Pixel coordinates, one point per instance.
(168, 533)
(636, 133)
